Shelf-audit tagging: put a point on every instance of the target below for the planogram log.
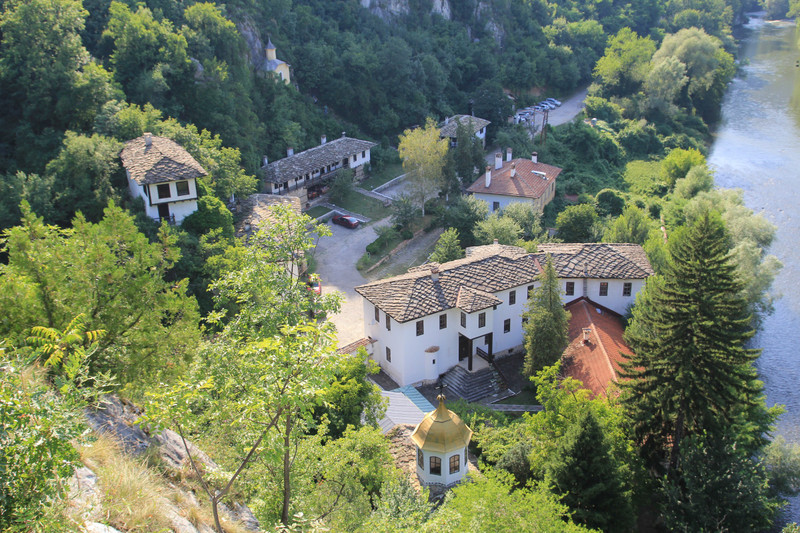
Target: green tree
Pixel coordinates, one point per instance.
(584, 475)
(577, 223)
(447, 247)
(631, 226)
(468, 154)
(424, 155)
(404, 211)
(34, 189)
(527, 218)
(84, 175)
(678, 163)
(497, 227)
(464, 215)
(211, 214)
(609, 202)
(691, 372)
(625, 63)
(547, 323)
(110, 272)
(343, 186)
(664, 83)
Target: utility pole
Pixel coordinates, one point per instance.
(543, 136)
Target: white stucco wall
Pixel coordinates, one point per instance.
(446, 478)
(179, 206)
(614, 300)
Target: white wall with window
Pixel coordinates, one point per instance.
(615, 294)
(174, 200)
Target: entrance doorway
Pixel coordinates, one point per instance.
(465, 350)
(163, 211)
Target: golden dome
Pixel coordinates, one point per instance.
(441, 431)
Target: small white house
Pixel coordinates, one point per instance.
(164, 175)
(436, 316)
(516, 180)
(449, 128)
(441, 440)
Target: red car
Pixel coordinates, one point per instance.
(346, 221)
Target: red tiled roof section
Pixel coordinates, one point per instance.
(526, 183)
(596, 363)
(163, 160)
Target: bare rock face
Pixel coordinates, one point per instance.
(84, 495)
(95, 527)
(387, 9)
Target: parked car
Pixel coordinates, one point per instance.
(547, 105)
(346, 221)
(553, 101)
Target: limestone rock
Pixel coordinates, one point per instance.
(96, 527)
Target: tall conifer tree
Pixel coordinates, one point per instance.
(547, 323)
(691, 372)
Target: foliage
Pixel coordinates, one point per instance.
(527, 217)
(707, 385)
(697, 180)
(423, 154)
(498, 228)
(782, 463)
(211, 215)
(463, 216)
(678, 163)
(587, 479)
(547, 322)
(110, 272)
(404, 211)
(467, 155)
(447, 247)
(399, 508)
(609, 202)
(632, 226)
(578, 223)
(342, 186)
(625, 63)
(721, 488)
(350, 399)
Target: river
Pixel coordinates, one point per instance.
(757, 149)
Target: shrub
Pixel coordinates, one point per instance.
(211, 214)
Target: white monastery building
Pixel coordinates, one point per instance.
(441, 441)
(304, 173)
(163, 174)
(436, 316)
(449, 128)
(516, 180)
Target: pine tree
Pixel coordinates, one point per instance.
(691, 372)
(547, 323)
(585, 476)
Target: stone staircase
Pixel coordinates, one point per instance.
(472, 386)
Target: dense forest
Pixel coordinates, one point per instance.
(214, 338)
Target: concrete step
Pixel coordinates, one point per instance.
(471, 386)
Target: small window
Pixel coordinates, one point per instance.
(388, 323)
(442, 321)
(603, 288)
(530, 291)
(420, 458)
(463, 320)
(377, 314)
(512, 297)
(495, 206)
(626, 288)
(163, 190)
(364, 154)
(182, 187)
(436, 466)
(355, 157)
(482, 320)
(570, 288)
(506, 325)
(455, 463)
(388, 354)
(420, 328)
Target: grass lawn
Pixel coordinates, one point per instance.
(365, 205)
(526, 397)
(389, 172)
(317, 211)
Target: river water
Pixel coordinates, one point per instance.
(757, 149)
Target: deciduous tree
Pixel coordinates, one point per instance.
(447, 247)
(424, 156)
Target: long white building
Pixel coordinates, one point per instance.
(436, 316)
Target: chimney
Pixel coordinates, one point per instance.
(289, 152)
(586, 333)
(148, 139)
(498, 161)
(447, 120)
(488, 176)
(508, 154)
(266, 161)
(323, 140)
(535, 157)
(495, 241)
(594, 122)
(343, 134)
(513, 169)
(435, 273)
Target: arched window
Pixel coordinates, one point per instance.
(436, 466)
(455, 463)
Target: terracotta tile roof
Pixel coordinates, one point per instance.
(492, 268)
(164, 160)
(526, 183)
(354, 346)
(307, 161)
(486, 269)
(449, 127)
(256, 209)
(598, 260)
(597, 363)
